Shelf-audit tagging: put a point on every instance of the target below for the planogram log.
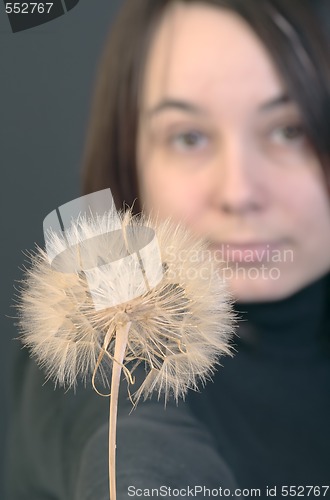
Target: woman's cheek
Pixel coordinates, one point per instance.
(181, 201)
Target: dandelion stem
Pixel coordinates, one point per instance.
(119, 355)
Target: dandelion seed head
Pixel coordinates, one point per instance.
(181, 315)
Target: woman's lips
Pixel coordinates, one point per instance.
(251, 252)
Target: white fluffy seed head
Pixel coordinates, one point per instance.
(179, 327)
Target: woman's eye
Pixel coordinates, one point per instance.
(189, 141)
(288, 133)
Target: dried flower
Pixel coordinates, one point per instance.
(178, 328)
(122, 290)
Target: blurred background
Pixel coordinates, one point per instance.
(47, 76)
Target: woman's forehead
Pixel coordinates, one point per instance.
(201, 51)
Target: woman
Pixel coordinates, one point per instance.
(216, 113)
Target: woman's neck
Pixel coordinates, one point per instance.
(294, 327)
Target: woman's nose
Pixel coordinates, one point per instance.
(239, 188)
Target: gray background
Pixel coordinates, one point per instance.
(46, 80)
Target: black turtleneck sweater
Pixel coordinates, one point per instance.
(263, 422)
(269, 406)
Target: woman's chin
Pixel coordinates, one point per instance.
(257, 284)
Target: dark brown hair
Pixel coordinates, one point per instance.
(295, 33)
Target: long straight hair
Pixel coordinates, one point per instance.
(296, 35)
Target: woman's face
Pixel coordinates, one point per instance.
(221, 147)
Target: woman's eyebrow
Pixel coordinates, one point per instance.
(192, 108)
(178, 104)
(275, 102)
